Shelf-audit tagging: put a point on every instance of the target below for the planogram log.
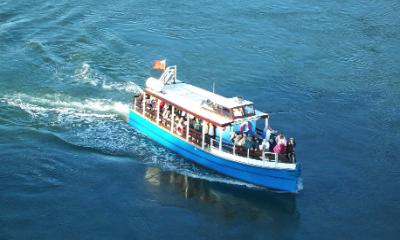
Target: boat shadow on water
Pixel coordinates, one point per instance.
(229, 201)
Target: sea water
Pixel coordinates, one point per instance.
(328, 72)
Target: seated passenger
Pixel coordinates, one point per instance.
(162, 104)
(254, 144)
(179, 127)
(242, 140)
(197, 125)
(166, 113)
(232, 137)
(264, 147)
(237, 138)
(249, 142)
(152, 104)
(147, 103)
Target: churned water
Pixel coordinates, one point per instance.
(328, 72)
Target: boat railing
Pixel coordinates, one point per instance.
(251, 154)
(169, 75)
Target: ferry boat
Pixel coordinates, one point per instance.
(216, 132)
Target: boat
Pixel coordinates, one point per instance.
(216, 132)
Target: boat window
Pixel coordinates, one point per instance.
(226, 112)
(238, 112)
(249, 110)
(212, 106)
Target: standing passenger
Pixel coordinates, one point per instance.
(211, 131)
(290, 149)
(280, 147)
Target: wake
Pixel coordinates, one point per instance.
(101, 125)
(86, 75)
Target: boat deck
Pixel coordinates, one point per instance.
(237, 154)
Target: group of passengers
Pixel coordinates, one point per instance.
(269, 141)
(179, 118)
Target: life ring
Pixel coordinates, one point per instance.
(179, 130)
(245, 127)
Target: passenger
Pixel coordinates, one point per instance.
(211, 131)
(179, 127)
(267, 133)
(232, 136)
(249, 142)
(147, 103)
(280, 139)
(197, 125)
(290, 149)
(166, 113)
(139, 100)
(238, 137)
(162, 104)
(242, 140)
(280, 147)
(264, 147)
(205, 127)
(256, 143)
(153, 104)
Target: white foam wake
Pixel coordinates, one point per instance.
(57, 103)
(96, 123)
(87, 75)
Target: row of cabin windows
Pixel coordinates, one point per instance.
(245, 111)
(239, 112)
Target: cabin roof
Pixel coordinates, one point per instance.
(190, 99)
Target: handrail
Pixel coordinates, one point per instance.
(265, 156)
(168, 75)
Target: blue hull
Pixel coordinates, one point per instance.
(280, 179)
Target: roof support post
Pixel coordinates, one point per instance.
(203, 134)
(158, 111)
(187, 126)
(172, 118)
(144, 103)
(220, 138)
(134, 103)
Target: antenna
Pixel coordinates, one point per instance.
(213, 87)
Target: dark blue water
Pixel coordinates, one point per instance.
(71, 167)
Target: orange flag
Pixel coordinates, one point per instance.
(159, 64)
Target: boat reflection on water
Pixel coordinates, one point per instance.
(228, 200)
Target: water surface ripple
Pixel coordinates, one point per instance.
(71, 167)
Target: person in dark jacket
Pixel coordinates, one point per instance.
(291, 144)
